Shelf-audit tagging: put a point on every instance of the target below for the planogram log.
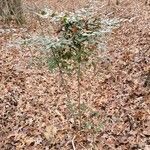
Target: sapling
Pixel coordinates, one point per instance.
(78, 37)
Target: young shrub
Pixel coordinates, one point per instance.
(77, 38)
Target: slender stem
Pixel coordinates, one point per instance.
(79, 94)
(63, 82)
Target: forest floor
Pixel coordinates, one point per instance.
(33, 107)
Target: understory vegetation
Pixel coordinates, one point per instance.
(76, 76)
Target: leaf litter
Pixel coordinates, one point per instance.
(33, 106)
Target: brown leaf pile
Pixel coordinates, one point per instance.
(33, 107)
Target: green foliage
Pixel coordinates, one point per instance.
(78, 35)
(73, 44)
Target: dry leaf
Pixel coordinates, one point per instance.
(50, 132)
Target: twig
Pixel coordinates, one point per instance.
(79, 94)
(73, 145)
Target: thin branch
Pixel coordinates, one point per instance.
(73, 145)
(79, 94)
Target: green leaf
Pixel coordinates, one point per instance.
(52, 63)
